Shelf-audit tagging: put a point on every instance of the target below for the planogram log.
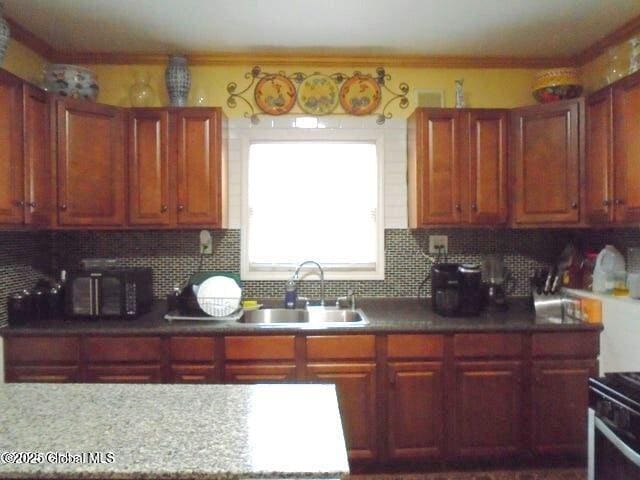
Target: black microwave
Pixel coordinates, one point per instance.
(116, 292)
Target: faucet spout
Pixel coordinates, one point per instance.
(295, 277)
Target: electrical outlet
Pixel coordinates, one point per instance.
(436, 241)
(206, 243)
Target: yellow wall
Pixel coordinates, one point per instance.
(24, 62)
(483, 87)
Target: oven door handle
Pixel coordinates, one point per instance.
(622, 447)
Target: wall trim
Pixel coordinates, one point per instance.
(40, 46)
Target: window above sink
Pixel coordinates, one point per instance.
(313, 193)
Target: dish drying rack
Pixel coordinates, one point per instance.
(211, 309)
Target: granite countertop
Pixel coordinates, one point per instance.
(173, 431)
(386, 315)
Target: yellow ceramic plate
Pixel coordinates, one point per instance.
(275, 94)
(318, 94)
(360, 95)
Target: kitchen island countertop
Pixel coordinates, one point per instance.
(172, 431)
(386, 315)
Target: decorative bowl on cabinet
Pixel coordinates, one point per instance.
(71, 81)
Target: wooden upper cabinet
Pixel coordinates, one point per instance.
(434, 167)
(488, 166)
(626, 149)
(599, 158)
(149, 196)
(457, 167)
(11, 156)
(546, 161)
(201, 174)
(38, 167)
(91, 164)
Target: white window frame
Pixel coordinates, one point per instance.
(265, 135)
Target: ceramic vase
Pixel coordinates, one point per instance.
(178, 79)
(5, 33)
(141, 94)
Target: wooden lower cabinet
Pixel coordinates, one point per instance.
(416, 424)
(559, 405)
(356, 386)
(259, 373)
(488, 408)
(124, 374)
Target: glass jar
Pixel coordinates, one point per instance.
(616, 68)
(634, 56)
(141, 94)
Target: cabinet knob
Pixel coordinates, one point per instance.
(618, 201)
(574, 205)
(163, 208)
(474, 207)
(180, 208)
(63, 207)
(20, 204)
(458, 207)
(606, 203)
(32, 204)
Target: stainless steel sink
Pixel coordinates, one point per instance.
(298, 317)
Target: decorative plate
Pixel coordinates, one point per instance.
(318, 94)
(275, 94)
(360, 95)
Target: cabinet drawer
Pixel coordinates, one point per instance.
(487, 345)
(260, 373)
(193, 374)
(339, 347)
(42, 374)
(574, 344)
(415, 346)
(192, 349)
(260, 348)
(123, 349)
(37, 350)
(124, 374)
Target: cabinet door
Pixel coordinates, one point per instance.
(356, 386)
(546, 160)
(259, 373)
(124, 374)
(437, 188)
(488, 409)
(560, 402)
(488, 167)
(416, 411)
(42, 374)
(39, 186)
(149, 196)
(599, 158)
(11, 161)
(90, 164)
(199, 137)
(626, 149)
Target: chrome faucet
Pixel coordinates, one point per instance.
(295, 278)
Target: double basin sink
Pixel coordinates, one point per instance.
(313, 316)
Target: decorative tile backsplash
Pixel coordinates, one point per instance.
(173, 256)
(23, 256)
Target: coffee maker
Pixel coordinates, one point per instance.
(497, 283)
(456, 289)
